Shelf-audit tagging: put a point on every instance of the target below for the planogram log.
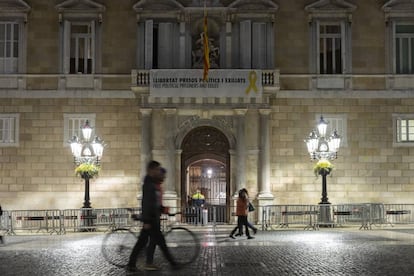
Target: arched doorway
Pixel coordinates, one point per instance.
(205, 163)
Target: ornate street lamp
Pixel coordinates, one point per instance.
(323, 149)
(87, 155)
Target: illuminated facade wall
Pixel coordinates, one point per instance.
(346, 60)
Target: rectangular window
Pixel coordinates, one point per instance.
(255, 45)
(404, 49)
(405, 130)
(330, 49)
(9, 47)
(9, 129)
(73, 124)
(160, 45)
(81, 48)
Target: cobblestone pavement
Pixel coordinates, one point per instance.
(384, 251)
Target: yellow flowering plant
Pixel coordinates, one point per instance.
(87, 170)
(323, 166)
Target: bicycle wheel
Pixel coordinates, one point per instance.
(183, 245)
(117, 246)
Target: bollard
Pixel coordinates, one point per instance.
(205, 216)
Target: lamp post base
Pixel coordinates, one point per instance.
(87, 220)
(87, 217)
(325, 217)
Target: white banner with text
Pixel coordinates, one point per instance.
(220, 83)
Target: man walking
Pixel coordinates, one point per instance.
(151, 211)
(1, 236)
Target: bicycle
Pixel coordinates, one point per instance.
(183, 243)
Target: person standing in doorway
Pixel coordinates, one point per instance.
(151, 212)
(198, 199)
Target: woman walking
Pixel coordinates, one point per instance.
(248, 223)
(241, 213)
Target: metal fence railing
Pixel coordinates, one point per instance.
(399, 213)
(47, 221)
(5, 223)
(364, 215)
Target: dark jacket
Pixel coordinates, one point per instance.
(151, 205)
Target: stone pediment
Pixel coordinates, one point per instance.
(321, 6)
(331, 9)
(157, 5)
(80, 9)
(80, 6)
(14, 8)
(254, 5)
(399, 8)
(200, 3)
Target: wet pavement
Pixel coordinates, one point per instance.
(337, 251)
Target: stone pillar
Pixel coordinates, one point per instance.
(233, 192)
(146, 138)
(265, 196)
(178, 177)
(170, 193)
(182, 42)
(228, 42)
(240, 150)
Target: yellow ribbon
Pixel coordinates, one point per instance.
(252, 82)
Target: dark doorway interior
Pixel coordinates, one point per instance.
(205, 163)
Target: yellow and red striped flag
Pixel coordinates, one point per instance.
(206, 58)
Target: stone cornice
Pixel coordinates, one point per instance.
(14, 9)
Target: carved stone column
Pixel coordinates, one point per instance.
(229, 45)
(183, 31)
(146, 138)
(178, 176)
(170, 193)
(265, 196)
(240, 150)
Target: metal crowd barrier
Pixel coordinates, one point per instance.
(5, 223)
(348, 214)
(314, 216)
(273, 216)
(366, 214)
(399, 214)
(36, 220)
(285, 215)
(99, 219)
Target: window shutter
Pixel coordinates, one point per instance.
(165, 45)
(245, 44)
(344, 47)
(259, 45)
(66, 47)
(235, 46)
(141, 45)
(149, 24)
(270, 48)
(222, 51)
(92, 53)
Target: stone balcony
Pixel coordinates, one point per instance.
(272, 82)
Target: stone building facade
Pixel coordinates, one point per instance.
(63, 62)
